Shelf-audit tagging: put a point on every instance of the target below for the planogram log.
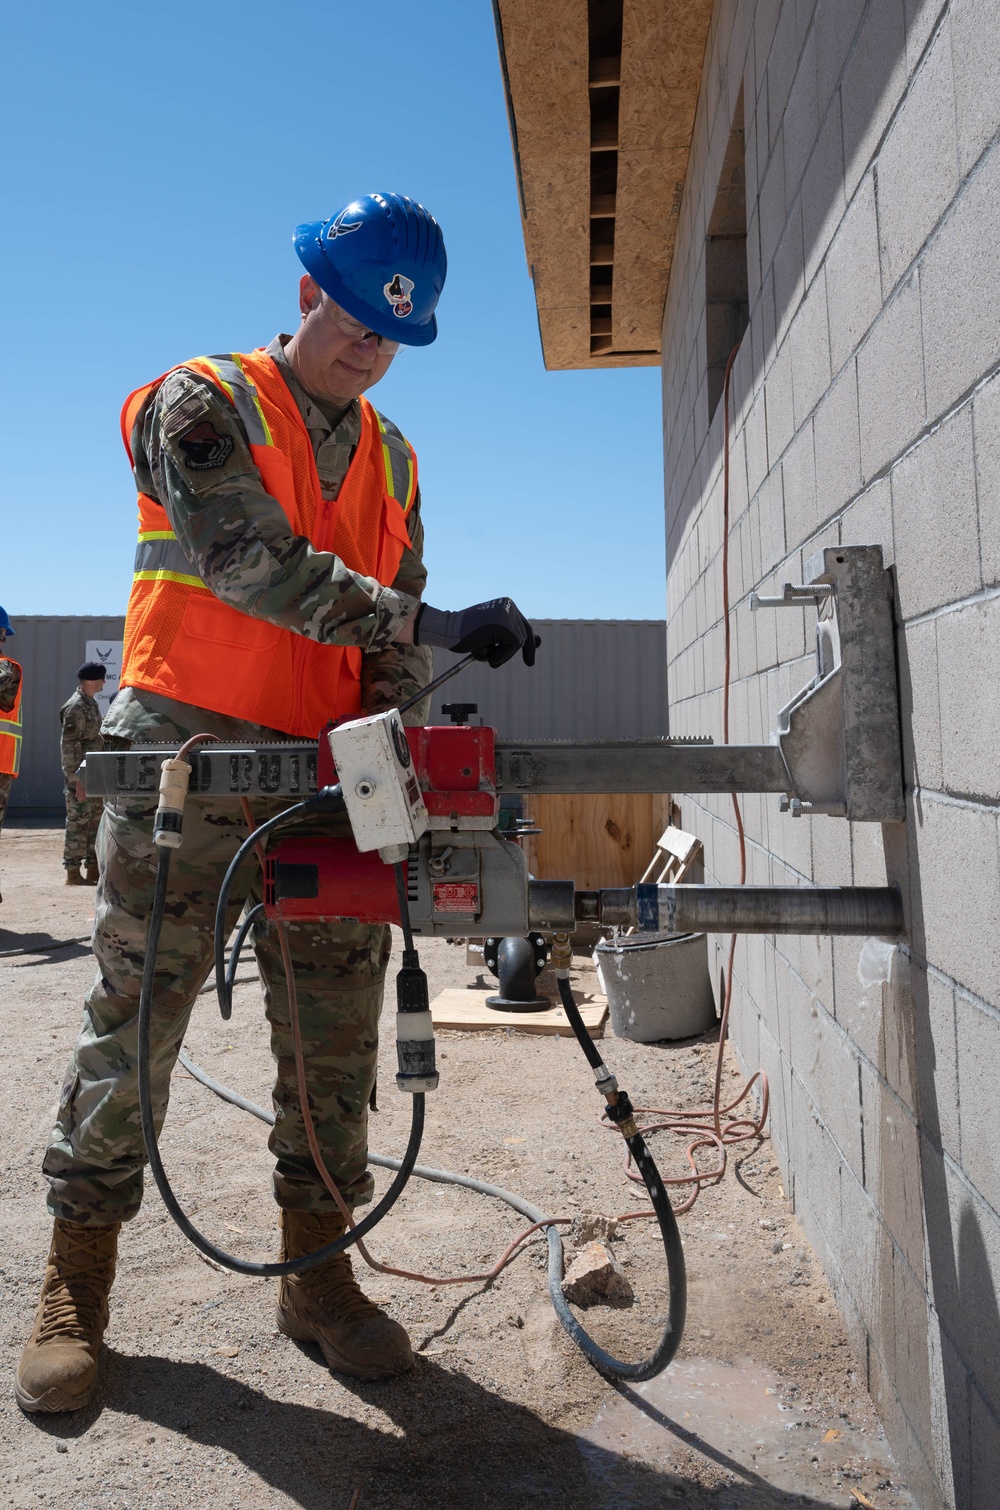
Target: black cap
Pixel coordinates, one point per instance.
(92, 671)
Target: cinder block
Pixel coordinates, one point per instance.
(801, 120)
(798, 470)
(935, 1053)
(956, 897)
(950, 1453)
(772, 205)
(978, 1040)
(822, 191)
(935, 519)
(837, 438)
(756, 443)
(859, 1008)
(891, 382)
(911, 1377)
(831, 851)
(872, 83)
(917, 168)
(920, 705)
(959, 277)
(853, 276)
(810, 342)
(865, 1255)
(868, 857)
(836, 22)
(975, 42)
(898, 1191)
(984, 1431)
(868, 520)
(778, 396)
(986, 428)
(969, 659)
(789, 273)
(964, 1257)
(817, 1179)
(782, 63)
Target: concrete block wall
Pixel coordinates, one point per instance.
(865, 409)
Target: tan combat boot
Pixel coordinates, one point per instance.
(74, 876)
(58, 1368)
(326, 1305)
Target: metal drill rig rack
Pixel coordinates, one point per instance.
(835, 750)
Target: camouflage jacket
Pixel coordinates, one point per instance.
(238, 540)
(81, 731)
(10, 680)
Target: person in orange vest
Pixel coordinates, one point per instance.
(10, 718)
(278, 584)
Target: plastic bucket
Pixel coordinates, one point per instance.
(657, 987)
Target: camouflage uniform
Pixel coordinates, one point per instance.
(239, 541)
(81, 731)
(10, 680)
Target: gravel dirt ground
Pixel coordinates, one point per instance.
(202, 1402)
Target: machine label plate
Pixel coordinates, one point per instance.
(456, 896)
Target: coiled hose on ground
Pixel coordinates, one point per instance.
(619, 1111)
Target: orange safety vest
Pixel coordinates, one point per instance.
(10, 731)
(183, 642)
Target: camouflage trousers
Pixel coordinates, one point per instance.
(6, 782)
(94, 1161)
(83, 815)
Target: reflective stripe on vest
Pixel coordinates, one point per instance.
(10, 733)
(159, 558)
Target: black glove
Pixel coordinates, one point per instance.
(492, 631)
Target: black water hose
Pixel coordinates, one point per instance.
(329, 799)
(236, 951)
(218, 1255)
(606, 1363)
(620, 1113)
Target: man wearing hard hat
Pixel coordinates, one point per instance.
(277, 585)
(10, 718)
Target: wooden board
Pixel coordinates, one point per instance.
(594, 840)
(467, 1011)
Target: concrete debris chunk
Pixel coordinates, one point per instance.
(591, 1227)
(595, 1276)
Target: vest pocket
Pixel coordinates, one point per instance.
(206, 618)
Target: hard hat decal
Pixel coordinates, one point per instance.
(398, 294)
(338, 228)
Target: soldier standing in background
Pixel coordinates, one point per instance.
(10, 718)
(81, 731)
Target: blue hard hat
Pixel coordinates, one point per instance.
(383, 260)
(5, 621)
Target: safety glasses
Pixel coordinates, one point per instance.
(355, 329)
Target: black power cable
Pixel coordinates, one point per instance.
(202, 1243)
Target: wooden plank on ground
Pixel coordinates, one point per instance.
(467, 1011)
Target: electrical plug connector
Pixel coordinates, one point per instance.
(415, 1050)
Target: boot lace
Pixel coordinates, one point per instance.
(77, 1282)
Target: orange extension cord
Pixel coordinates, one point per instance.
(707, 1125)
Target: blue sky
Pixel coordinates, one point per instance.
(157, 160)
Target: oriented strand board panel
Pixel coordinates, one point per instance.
(595, 841)
(545, 52)
(466, 1011)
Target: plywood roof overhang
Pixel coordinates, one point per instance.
(563, 82)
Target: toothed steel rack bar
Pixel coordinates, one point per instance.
(532, 766)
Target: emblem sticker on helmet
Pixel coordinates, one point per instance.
(204, 447)
(338, 228)
(398, 294)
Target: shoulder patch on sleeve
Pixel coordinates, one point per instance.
(204, 447)
(179, 417)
